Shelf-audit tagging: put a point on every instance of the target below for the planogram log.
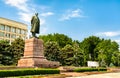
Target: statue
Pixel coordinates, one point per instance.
(34, 49)
(35, 25)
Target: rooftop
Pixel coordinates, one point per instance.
(12, 21)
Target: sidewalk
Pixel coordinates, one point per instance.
(105, 75)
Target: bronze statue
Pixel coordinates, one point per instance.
(35, 25)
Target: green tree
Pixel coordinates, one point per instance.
(52, 51)
(116, 58)
(67, 55)
(106, 49)
(78, 55)
(61, 39)
(17, 49)
(115, 54)
(5, 54)
(88, 46)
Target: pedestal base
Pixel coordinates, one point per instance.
(37, 62)
(34, 55)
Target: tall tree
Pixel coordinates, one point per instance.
(5, 54)
(116, 58)
(88, 45)
(105, 49)
(67, 55)
(52, 51)
(61, 39)
(17, 49)
(78, 55)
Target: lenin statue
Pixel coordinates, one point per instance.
(35, 25)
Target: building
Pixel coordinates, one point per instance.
(10, 30)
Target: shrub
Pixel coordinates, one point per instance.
(23, 72)
(89, 69)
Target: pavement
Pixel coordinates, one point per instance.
(105, 75)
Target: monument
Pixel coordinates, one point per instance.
(34, 50)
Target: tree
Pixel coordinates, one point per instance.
(52, 51)
(88, 46)
(115, 54)
(5, 54)
(17, 49)
(116, 58)
(67, 55)
(78, 55)
(61, 39)
(106, 49)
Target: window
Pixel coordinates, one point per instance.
(7, 28)
(25, 32)
(1, 34)
(18, 31)
(22, 32)
(13, 36)
(7, 35)
(2, 27)
(13, 29)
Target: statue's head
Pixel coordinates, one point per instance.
(36, 14)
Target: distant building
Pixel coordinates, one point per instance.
(10, 30)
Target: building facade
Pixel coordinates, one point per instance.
(10, 30)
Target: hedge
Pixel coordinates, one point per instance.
(23, 72)
(89, 69)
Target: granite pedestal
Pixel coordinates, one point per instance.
(34, 55)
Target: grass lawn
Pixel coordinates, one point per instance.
(41, 76)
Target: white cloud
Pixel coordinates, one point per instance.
(47, 14)
(109, 34)
(26, 10)
(19, 4)
(77, 13)
(25, 16)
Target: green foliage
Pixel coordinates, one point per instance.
(59, 47)
(4, 44)
(89, 69)
(9, 54)
(78, 55)
(91, 48)
(61, 39)
(52, 51)
(116, 58)
(17, 49)
(88, 45)
(5, 54)
(67, 55)
(105, 50)
(23, 72)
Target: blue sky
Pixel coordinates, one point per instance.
(78, 19)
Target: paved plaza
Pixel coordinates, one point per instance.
(106, 75)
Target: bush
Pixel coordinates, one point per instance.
(23, 72)
(89, 69)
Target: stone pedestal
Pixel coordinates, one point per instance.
(34, 55)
